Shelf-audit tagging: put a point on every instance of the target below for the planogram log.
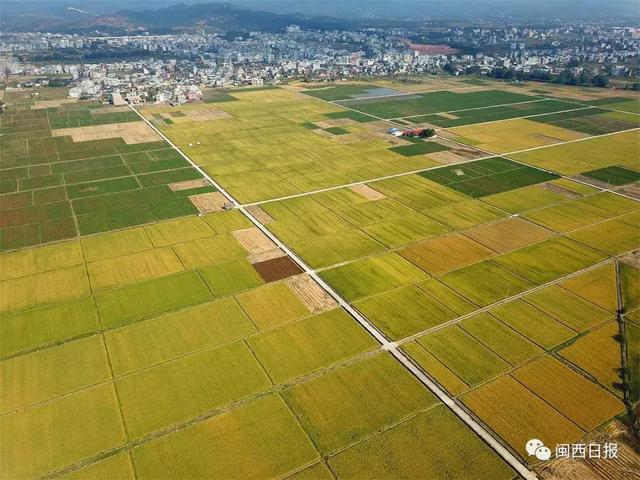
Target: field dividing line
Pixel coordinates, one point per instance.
(567, 177)
(462, 414)
(480, 88)
(485, 157)
(517, 296)
(477, 108)
(523, 117)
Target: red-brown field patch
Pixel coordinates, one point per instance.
(277, 269)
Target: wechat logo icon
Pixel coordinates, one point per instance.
(535, 447)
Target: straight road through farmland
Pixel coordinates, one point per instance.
(462, 414)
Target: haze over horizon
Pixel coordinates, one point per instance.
(380, 9)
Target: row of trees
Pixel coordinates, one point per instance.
(566, 77)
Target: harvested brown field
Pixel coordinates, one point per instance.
(311, 294)
(562, 191)
(447, 157)
(52, 103)
(336, 122)
(204, 115)
(277, 269)
(632, 190)
(260, 214)
(130, 132)
(188, 184)
(253, 240)
(275, 252)
(323, 133)
(395, 141)
(100, 111)
(632, 258)
(464, 152)
(592, 181)
(367, 192)
(208, 202)
(625, 465)
(352, 138)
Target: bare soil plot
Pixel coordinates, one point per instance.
(101, 111)
(131, 132)
(210, 113)
(448, 157)
(209, 202)
(253, 240)
(262, 256)
(188, 184)
(44, 104)
(277, 269)
(562, 191)
(314, 297)
(367, 192)
(260, 214)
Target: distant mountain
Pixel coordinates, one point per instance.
(79, 16)
(222, 17)
(227, 17)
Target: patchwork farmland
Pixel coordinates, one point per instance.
(267, 284)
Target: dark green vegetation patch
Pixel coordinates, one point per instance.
(53, 188)
(486, 177)
(433, 102)
(214, 95)
(419, 148)
(490, 114)
(350, 114)
(339, 92)
(614, 175)
(336, 130)
(593, 121)
(255, 89)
